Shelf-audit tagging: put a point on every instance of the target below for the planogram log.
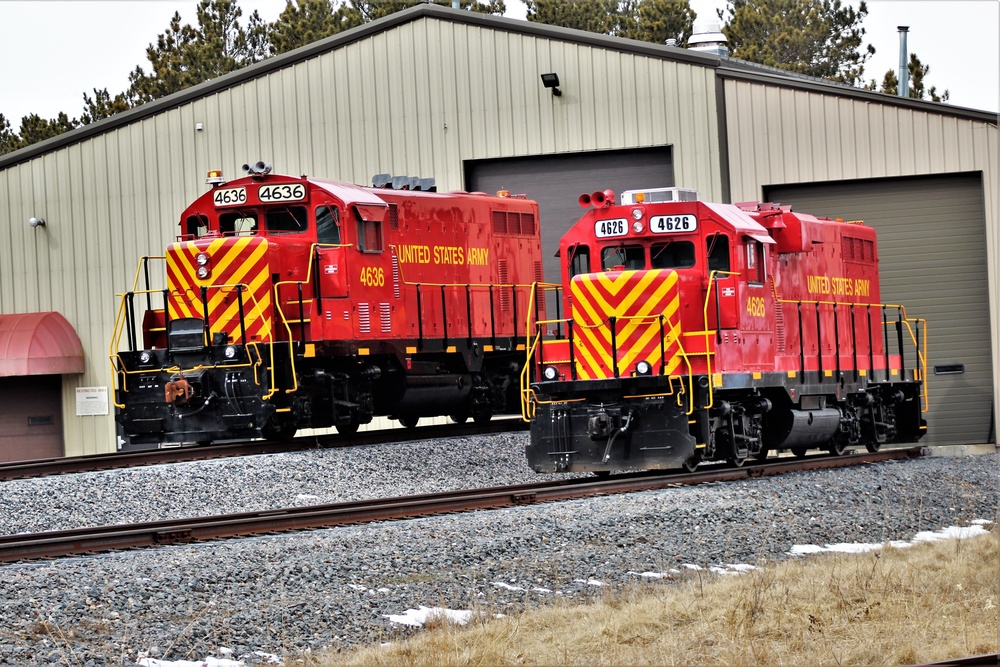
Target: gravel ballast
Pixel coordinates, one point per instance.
(291, 593)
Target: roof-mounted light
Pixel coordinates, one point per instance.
(215, 178)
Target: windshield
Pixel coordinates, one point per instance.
(623, 258)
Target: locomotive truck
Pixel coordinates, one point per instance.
(294, 302)
(692, 331)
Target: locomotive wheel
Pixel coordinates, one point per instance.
(737, 461)
(836, 449)
(409, 421)
(459, 418)
(873, 446)
(482, 418)
(762, 454)
(800, 452)
(348, 429)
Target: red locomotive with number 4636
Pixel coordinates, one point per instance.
(693, 331)
(294, 302)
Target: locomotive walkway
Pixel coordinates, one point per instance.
(21, 547)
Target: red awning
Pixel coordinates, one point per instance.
(38, 344)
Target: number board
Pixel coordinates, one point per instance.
(614, 227)
(230, 197)
(281, 192)
(673, 224)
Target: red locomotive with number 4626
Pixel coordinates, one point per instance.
(294, 302)
(694, 331)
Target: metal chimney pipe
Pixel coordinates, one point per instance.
(904, 70)
(456, 4)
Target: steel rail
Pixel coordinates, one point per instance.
(75, 464)
(51, 544)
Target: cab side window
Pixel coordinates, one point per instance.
(328, 224)
(579, 260)
(369, 234)
(717, 250)
(755, 262)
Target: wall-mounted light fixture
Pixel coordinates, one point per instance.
(199, 127)
(36, 222)
(551, 80)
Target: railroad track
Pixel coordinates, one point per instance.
(21, 547)
(75, 464)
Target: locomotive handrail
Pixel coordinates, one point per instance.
(532, 343)
(919, 346)
(713, 282)
(119, 370)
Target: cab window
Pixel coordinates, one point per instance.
(196, 226)
(755, 262)
(672, 255)
(369, 234)
(238, 222)
(328, 224)
(579, 260)
(717, 250)
(286, 219)
(623, 257)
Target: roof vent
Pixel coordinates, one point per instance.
(708, 38)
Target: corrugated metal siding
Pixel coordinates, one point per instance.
(932, 256)
(419, 99)
(784, 136)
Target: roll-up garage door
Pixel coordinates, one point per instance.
(30, 417)
(557, 181)
(932, 248)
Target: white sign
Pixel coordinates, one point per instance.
(282, 192)
(230, 197)
(91, 401)
(614, 227)
(666, 224)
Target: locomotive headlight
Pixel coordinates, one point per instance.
(637, 227)
(144, 357)
(550, 373)
(637, 214)
(201, 258)
(230, 352)
(644, 368)
(203, 272)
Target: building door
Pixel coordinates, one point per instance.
(932, 250)
(31, 417)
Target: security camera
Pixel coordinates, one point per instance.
(36, 222)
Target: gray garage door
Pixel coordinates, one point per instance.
(30, 417)
(932, 247)
(556, 181)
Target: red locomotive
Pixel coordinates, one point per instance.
(696, 332)
(299, 303)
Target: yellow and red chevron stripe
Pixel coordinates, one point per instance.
(636, 299)
(232, 261)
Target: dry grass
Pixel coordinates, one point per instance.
(893, 607)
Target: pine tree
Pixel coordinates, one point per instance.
(916, 71)
(821, 38)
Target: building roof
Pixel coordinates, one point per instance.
(726, 68)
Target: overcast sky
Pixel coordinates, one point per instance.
(51, 51)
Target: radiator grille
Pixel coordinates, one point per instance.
(386, 314)
(364, 318)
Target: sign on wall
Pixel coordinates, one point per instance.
(91, 401)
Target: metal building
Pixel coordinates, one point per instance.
(433, 91)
